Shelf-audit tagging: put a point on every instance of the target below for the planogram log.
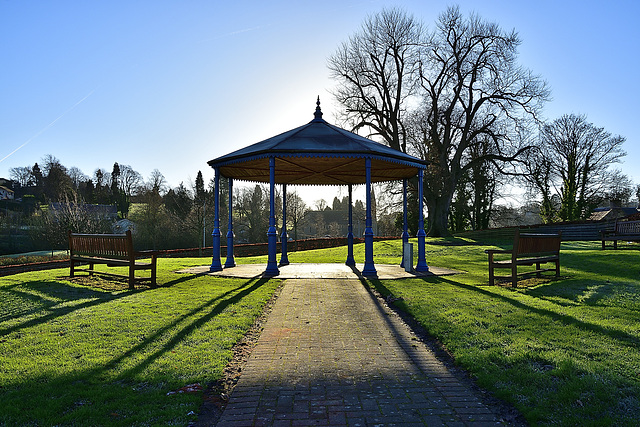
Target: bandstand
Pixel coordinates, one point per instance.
(316, 153)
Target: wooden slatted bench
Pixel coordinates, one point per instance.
(528, 249)
(114, 250)
(623, 230)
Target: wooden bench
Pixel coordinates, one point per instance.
(528, 249)
(623, 230)
(114, 250)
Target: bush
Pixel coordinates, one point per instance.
(53, 224)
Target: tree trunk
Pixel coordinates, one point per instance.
(437, 217)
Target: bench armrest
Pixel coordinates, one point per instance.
(147, 253)
(492, 252)
(497, 251)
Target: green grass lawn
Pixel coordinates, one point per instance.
(564, 351)
(75, 354)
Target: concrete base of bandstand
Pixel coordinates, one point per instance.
(319, 271)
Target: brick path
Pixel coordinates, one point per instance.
(331, 355)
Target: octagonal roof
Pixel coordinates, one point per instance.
(318, 153)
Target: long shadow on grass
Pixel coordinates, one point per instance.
(622, 265)
(214, 307)
(621, 296)
(36, 292)
(186, 278)
(61, 294)
(625, 338)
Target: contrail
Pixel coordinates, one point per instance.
(47, 126)
(233, 33)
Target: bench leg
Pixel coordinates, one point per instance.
(491, 272)
(71, 268)
(153, 271)
(90, 269)
(615, 244)
(132, 277)
(514, 275)
(538, 274)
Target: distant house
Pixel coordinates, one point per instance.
(6, 194)
(123, 225)
(612, 213)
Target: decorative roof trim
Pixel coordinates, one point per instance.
(277, 154)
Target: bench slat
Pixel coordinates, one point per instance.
(525, 261)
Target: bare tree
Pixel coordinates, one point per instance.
(130, 180)
(461, 87)
(475, 93)
(253, 213)
(77, 176)
(69, 214)
(153, 217)
(538, 177)
(573, 162)
(157, 183)
(296, 211)
(377, 70)
(620, 189)
(22, 175)
(485, 184)
(320, 204)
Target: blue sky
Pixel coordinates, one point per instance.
(169, 85)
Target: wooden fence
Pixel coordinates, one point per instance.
(256, 249)
(588, 230)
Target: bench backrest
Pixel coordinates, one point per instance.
(628, 227)
(536, 244)
(117, 246)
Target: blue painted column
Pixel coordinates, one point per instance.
(405, 226)
(369, 268)
(284, 257)
(230, 260)
(272, 235)
(350, 260)
(216, 265)
(422, 261)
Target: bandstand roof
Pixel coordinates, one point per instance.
(318, 153)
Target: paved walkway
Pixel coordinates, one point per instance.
(330, 354)
(318, 271)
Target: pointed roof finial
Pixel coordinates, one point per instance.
(318, 113)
